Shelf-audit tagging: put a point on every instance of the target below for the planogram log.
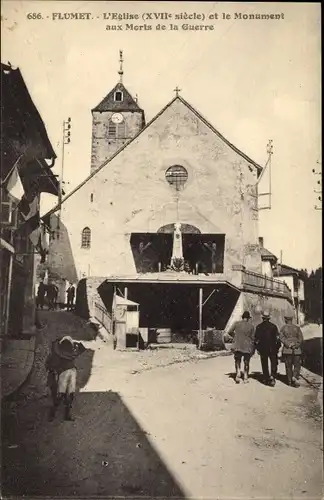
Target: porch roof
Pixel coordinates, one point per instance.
(172, 277)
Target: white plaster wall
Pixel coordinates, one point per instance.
(267, 269)
(130, 194)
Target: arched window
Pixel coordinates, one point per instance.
(117, 130)
(121, 130)
(86, 238)
(112, 129)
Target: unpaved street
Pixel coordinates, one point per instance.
(184, 430)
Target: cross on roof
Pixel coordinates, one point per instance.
(177, 90)
(121, 72)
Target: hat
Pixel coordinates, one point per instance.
(246, 314)
(64, 347)
(67, 338)
(288, 316)
(266, 314)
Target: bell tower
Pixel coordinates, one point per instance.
(115, 120)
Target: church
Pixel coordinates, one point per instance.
(167, 219)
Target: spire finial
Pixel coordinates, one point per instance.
(177, 90)
(121, 72)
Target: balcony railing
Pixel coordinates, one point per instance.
(103, 316)
(265, 283)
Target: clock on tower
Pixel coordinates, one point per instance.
(115, 121)
(117, 118)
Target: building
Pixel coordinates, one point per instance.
(295, 280)
(24, 146)
(268, 260)
(168, 217)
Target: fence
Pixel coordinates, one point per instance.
(265, 283)
(103, 316)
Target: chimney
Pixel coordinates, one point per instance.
(261, 241)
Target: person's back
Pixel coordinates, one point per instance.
(41, 290)
(291, 335)
(266, 337)
(243, 336)
(243, 333)
(292, 338)
(61, 366)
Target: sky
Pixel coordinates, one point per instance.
(253, 79)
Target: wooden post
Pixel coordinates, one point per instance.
(113, 312)
(200, 314)
(126, 292)
(8, 294)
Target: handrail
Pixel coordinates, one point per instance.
(103, 316)
(264, 282)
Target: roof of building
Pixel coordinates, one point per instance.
(284, 270)
(171, 277)
(23, 131)
(199, 116)
(109, 103)
(266, 255)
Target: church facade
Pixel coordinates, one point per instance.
(169, 208)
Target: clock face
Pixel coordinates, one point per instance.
(117, 118)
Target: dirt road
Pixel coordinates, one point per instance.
(185, 430)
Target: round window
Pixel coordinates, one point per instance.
(176, 176)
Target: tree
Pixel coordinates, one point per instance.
(313, 296)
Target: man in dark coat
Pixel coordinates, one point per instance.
(70, 297)
(267, 344)
(243, 333)
(292, 339)
(41, 294)
(61, 378)
(51, 292)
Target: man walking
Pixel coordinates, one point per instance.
(292, 338)
(70, 297)
(41, 295)
(62, 372)
(267, 344)
(50, 296)
(243, 333)
(55, 294)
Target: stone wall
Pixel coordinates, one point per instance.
(236, 314)
(87, 297)
(104, 146)
(277, 307)
(131, 194)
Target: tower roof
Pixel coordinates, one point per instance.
(109, 103)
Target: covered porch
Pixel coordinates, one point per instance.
(174, 303)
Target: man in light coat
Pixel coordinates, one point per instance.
(243, 347)
(292, 339)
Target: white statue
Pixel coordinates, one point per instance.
(177, 251)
